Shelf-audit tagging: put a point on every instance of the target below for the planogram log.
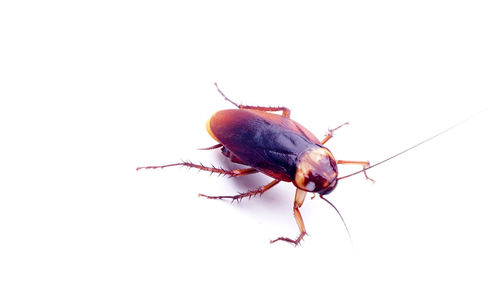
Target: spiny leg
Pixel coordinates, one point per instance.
(285, 111)
(220, 171)
(300, 195)
(211, 147)
(329, 135)
(238, 197)
(365, 165)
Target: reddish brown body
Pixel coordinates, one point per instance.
(274, 145)
(281, 148)
(267, 142)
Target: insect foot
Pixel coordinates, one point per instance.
(294, 242)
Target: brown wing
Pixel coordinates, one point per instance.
(220, 120)
(268, 142)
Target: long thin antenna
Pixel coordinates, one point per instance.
(414, 146)
(341, 218)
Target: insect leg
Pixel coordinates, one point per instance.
(365, 165)
(330, 133)
(238, 197)
(220, 171)
(300, 195)
(285, 111)
(211, 147)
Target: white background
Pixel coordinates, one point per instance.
(92, 89)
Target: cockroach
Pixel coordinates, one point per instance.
(280, 148)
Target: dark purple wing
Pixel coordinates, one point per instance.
(267, 142)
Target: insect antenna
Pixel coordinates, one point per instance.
(340, 215)
(412, 147)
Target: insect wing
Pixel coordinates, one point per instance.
(265, 141)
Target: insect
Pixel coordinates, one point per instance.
(279, 147)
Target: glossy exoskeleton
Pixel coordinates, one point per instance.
(274, 145)
(281, 148)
